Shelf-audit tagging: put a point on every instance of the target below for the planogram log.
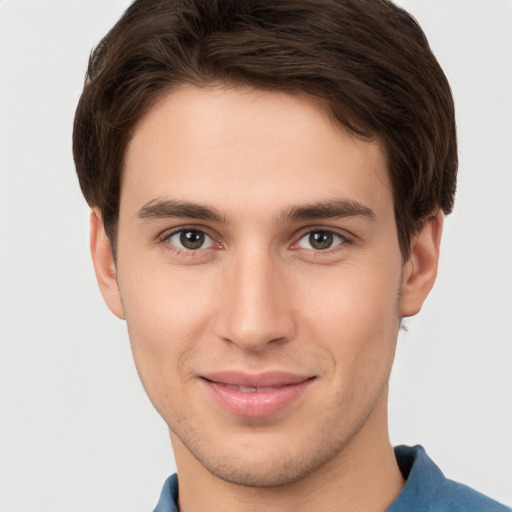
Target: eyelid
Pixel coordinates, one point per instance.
(347, 237)
(163, 237)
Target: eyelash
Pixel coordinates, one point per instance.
(345, 240)
(164, 239)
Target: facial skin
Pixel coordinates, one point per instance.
(293, 265)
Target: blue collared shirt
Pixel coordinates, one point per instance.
(426, 489)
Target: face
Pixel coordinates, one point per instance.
(259, 273)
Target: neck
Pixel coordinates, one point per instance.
(363, 476)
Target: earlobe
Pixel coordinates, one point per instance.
(104, 266)
(420, 270)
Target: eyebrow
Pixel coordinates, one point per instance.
(170, 208)
(329, 209)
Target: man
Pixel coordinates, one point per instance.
(268, 182)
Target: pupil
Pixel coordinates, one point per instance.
(321, 240)
(192, 239)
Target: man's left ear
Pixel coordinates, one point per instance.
(420, 270)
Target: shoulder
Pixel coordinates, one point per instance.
(454, 497)
(428, 490)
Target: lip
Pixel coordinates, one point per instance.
(255, 395)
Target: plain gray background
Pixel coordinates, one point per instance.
(77, 433)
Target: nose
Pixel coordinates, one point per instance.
(255, 308)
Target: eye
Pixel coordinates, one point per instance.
(189, 239)
(320, 240)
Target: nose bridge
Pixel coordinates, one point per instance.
(255, 309)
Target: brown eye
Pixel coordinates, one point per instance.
(190, 239)
(320, 240)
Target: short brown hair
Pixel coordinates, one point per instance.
(367, 59)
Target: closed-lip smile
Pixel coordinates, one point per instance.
(255, 395)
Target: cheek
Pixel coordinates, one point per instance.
(355, 316)
(162, 299)
(167, 314)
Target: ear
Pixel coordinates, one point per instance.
(104, 266)
(420, 270)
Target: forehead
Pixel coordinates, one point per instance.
(265, 149)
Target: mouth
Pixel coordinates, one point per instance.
(244, 389)
(257, 395)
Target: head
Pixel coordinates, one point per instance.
(267, 181)
(370, 65)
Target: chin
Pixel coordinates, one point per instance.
(266, 459)
(272, 472)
